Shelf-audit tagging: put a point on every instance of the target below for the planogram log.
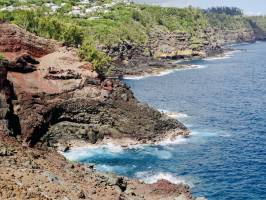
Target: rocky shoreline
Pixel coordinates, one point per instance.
(165, 49)
(50, 100)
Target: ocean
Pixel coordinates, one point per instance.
(222, 101)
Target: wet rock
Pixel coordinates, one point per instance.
(114, 180)
(63, 148)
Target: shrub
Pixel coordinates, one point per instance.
(100, 61)
(1, 57)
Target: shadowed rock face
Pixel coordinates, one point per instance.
(9, 122)
(65, 117)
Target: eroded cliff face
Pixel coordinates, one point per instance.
(164, 47)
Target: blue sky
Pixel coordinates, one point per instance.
(250, 7)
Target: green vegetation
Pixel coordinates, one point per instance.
(231, 11)
(260, 21)
(2, 58)
(121, 23)
(226, 18)
(59, 28)
(181, 19)
(227, 22)
(99, 60)
(111, 25)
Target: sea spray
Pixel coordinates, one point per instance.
(175, 115)
(152, 177)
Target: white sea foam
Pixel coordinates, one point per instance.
(196, 67)
(209, 133)
(226, 55)
(159, 153)
(217, 58)
(81, 153)
(164, 72)
(113, 148)
(203, 133)
(238, 44)
(150, 177)
(175, 115)
(112, 168)
(178, 140)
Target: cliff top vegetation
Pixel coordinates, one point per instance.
(89, 25)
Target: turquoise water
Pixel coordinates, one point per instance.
(223, 102)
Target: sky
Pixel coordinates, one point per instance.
(250, 7)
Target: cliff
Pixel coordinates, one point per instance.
(59, 102)
(140, 38)
(63, 95)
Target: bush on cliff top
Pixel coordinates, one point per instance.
(260, 21)
(227, 22)
(99, 60)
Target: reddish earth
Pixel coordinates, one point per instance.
(15, 41)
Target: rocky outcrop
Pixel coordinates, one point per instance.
(23, 64)
(180, 45)
(63, 100)
(235, 36)
(259, 33)
(162, 49)
(9, 123)
(76, 115)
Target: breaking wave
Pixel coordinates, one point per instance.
(151, 177)
(164, 72)
(175, 115)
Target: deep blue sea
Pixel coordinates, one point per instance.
(223, 102)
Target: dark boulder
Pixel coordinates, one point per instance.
(23, 64)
